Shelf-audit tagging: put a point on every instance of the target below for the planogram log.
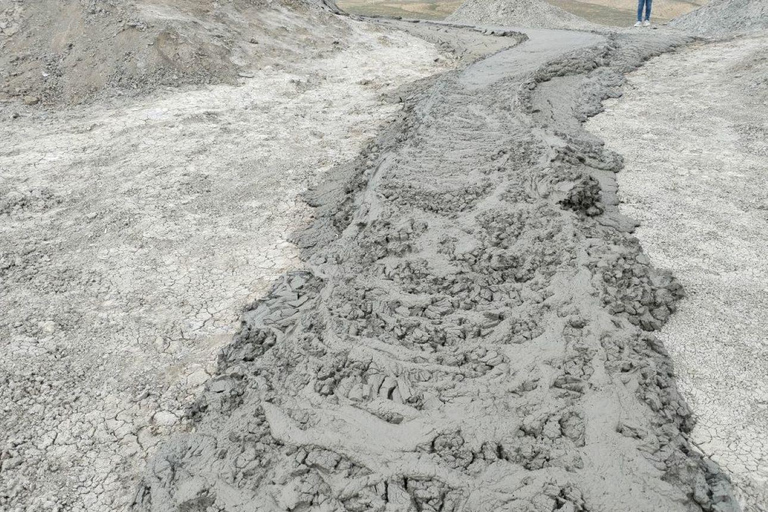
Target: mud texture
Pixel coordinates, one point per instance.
(62, 51)
(726, 18)
(475, 328)
(459, 42)
(704, 214)
(519, 13)
(134, 231)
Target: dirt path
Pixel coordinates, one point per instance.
(474, 328)
(693, 128)
(131, 237)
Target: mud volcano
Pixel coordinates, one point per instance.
(519, 13)
(475, 328)
(56, 51)
(726, 18)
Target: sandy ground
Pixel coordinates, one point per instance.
(693, 128)
(131, 237)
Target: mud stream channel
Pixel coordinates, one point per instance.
(474, 330)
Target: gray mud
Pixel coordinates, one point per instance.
(476, 330)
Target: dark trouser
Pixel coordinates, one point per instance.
(647, 4)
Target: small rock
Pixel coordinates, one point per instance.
(31, 100)
(165, 418)
(197, 378)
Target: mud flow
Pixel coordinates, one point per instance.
(475, 330)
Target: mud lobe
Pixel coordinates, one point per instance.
(475, 331)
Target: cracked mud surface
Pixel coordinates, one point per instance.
(131, 236)
(474, 327)
(693, 128)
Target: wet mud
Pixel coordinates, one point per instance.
(476, 328)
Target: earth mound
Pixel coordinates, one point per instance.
(725, 17)
(521, 13)
(56, 51)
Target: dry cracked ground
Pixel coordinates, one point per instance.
(133, 233)
(693, 128)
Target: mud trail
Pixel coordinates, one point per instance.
(475, 327)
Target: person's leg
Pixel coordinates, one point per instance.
(648, 5)
(640, 5)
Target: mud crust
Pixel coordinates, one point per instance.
(475, 331)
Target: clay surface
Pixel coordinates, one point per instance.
(132, 234)
(474, 329)
(703, 209)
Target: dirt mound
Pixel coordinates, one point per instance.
(518, 13)
(725, 17)
(55, 51)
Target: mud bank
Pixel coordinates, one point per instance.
(133, 233)
(704, 214)
(475, 330)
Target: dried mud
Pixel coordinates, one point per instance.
(475, 330)
(63, 52)
(523, 13)
(703, 209)
(725, 18)
(132, 234)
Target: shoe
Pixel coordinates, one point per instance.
(639, 24)
(647, 23)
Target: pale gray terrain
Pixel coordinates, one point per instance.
(693, 128)
(725, 18)
(132, 234)
(269, 257)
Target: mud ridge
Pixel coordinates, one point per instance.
(475, 331)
